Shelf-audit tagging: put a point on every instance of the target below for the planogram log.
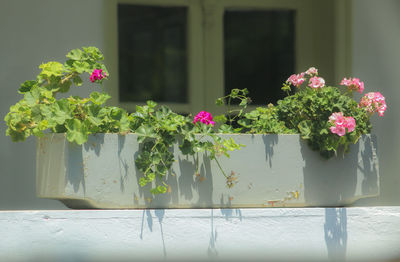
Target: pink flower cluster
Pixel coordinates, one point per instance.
(312, 71)
(204, 117)
(341, 123)
(314, 81)
(97, 74)
(374, 102)
(353, 84)
(296, 80)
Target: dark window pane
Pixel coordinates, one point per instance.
(152, 53)
(259, 52)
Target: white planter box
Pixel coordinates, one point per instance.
(272, 171)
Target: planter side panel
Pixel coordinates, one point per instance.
(271, 171)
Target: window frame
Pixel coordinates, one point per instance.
(205, 45)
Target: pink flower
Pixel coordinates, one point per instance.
(336, 118)
(339, 130)
(204, 117)
(312, 71)
(97, 74)
(340, 123)
(353, 84)
(316, 82)
(373, 102)
(350, 124)
(296, 80)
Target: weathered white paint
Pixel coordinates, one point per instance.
(303, 234)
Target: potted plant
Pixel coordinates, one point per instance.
(92, 155)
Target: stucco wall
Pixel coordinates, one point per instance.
(376, 60)
(32, 32)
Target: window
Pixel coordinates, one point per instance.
(152, 53)
(187, 53)
(258, 52)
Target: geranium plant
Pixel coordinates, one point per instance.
(327, 117)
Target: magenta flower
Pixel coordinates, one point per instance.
(97, 74)
(204, 117)
(340, 123)
(374, 102)
(316, 82)
(353, 84)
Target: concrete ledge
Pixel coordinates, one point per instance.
(279, 234)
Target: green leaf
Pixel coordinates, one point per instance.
(230, 144)
(52, 69)
(77, 81)
(93, 111)
(220, 119)
(324, 131)
(146, 131)
(151, 104)
(61, 111)
(225, 129)
(99, 98)
(77, 131)
(305, 129)
(75, 54)
(159, 190)
(93, 52)
(27, 86)
(81, 66)
(142, 181)
(187, 147)
(219, 101)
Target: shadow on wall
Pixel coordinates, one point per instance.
(335, 229)
(325, 180)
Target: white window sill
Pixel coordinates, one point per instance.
(284, 234)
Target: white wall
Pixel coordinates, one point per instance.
(376, 60)
(32, 32)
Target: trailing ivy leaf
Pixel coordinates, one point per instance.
(159, 190)
(231, 145)
(142, 181)
(145, 132)
(187, 147)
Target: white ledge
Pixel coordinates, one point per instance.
(284, 234)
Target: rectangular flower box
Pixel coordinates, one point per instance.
(271, 171)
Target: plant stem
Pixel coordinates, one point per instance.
(216, 160)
